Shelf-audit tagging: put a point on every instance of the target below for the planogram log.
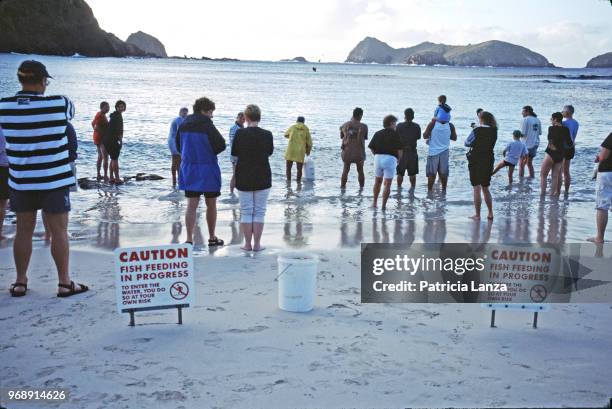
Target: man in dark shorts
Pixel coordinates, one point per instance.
(199, 142)
(409, 132)
(38, 180)
(113, 140)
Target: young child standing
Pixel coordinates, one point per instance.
(513, 152)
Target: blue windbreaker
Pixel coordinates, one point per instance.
(199, 143)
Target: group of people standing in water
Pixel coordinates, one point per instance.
(38, 152)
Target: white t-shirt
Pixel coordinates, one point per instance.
(531, 129)
(440, 139)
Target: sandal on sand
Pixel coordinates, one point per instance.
(215, 241)
(73, 290)
(18, 293)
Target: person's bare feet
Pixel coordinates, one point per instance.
(258, 248)
(490, 216)
(246, 248)
(474, 217)
(596, 240)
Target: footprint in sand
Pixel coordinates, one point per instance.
(256, 328)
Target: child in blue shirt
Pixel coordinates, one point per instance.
(514, 151)
(442, 112)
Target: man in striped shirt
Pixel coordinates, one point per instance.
(40, 176)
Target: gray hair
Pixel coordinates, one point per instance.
(569, 108)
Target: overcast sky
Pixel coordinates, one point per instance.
(567, 32)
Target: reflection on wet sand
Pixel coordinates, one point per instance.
(296, 220)
(110, 214)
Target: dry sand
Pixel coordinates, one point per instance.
(237, 349)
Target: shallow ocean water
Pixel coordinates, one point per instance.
(318, 215)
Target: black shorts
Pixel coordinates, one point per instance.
(4, 187)
(556, 156)
(409, 163)
(50, 201)
(207, 195)
(113, 149)
(480, 174)
(506, 163)
(569, 153)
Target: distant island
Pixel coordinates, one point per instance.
(601, 61)
(295, 59)
(488, 54)
(147, 43)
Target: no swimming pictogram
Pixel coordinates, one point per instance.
(179, 290)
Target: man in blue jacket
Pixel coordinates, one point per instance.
(199, 143)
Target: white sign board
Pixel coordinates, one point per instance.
(154, 277)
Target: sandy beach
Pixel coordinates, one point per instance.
(237, 349)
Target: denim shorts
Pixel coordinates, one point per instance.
(50, 201)
(533, 151)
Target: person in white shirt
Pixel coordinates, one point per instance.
(531, 129)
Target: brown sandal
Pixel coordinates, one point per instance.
(73, 290)
(18, 293)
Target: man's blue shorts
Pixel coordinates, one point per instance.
(50, 201)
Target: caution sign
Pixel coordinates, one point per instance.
(154, 277)
(531, 274)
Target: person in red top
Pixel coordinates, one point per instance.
(100, 127)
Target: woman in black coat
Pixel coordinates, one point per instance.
(481, 160)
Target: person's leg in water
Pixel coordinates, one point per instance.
(105, 163)
(289, 165)
(443, 182)
(176, 161)
(530, 167)
(247, 203)
(488, 201)
(477, 202)
(3, 203)
(260, 200)
(400, 180)
(211, 216)
(117, 177)
(412, 182)
(99, 161)
(300, 166)
(510, 174)
(190, 216)
(386, 192)
(46, 226)
(547, 165)
(556, 179)
(430, 182)
(499, 167)
(567, 177)
(602, 223)
(22, 247)
(344, 177)
(377, 184)
(233, 179)
(361, 175)
(522, 164)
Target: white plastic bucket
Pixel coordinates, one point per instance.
(309, 169)
(297, 281)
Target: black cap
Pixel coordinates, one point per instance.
(33, 69)
(301, 119)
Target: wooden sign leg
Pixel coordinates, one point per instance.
(180, 315)
(535, 319)
(492, 318)
(132, 319)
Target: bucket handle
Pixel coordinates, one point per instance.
(282, 272)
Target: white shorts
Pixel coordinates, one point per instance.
(604, 190)
(386, 166)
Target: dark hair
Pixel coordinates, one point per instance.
(120, 102)
(388, 120)
(529, 110)
(408, 114)
(357, 113)
(487, 118)
(479, 110)
(184, 109)
(104, 104)
(203, 104)
(442, 99)
(557, 116)
(301, 119)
